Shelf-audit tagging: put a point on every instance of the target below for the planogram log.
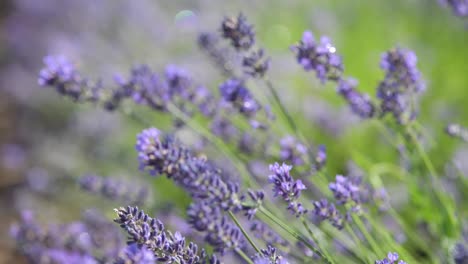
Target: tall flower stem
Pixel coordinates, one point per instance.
(445, 202)
(244, 256)
(217, 142)
(249, 239)
(294, 234)
(373, 244)
(314, 238)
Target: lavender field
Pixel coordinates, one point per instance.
(209, 132)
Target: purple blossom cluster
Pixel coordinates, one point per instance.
(114, 189)
(60, 73)
(269, 256)
(143, 85)
(238, 31)
(359, 103)
(160, 154)
(286, 187)
(319, 56)
(88, 241)
(219, 230)
(235, 92)
(175, 86)
(292, 151)
(211, 193)
(149, 233)
(324, 210)
(391, 258)
(345, 190)
(402, 83)
(459, 7)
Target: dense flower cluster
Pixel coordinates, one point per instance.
(402, 83)
(160, 154)
(77, 242)
(269, 256)
(220, 232)
(220, 210)
(320, 57)
(292, 151)
(235, 92)
(238, 31)
(359, 103)
(286, 187)
(133, 254)
(60, 73)
(114, 189)
(391, 258)
(345, 190)
(146, 231)
(323, 210)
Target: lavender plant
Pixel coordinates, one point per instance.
(306, 212)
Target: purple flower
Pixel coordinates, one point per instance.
(238, 31)
(345, 189)
(235, 92)
(323, 210)
(292, 151)
(61, 74)
(133, 254)
(114, 189)
(320, 157)
(256, 63)
(391, 258)
(459, 7)
(256, 200)
(285, 186)
(67, 243)
(402, 83)
(144, 230)
(320, 57)
(269, 256)
(219, 230)
(359, 103)
(164, 155)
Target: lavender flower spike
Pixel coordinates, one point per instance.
(240, 33)
(320, 57)
(147, 231)
(285, 186)
(401, 85)
(391, 258)
(269, 256)
(359, 103)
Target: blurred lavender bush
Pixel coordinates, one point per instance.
(306, 134)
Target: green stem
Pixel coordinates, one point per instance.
(373, 244)
(294, 234)
(357, 241)
(283, 110)
(249, 239)
(244, 256)
(216, 141)
(314, 238)
(446, 203)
